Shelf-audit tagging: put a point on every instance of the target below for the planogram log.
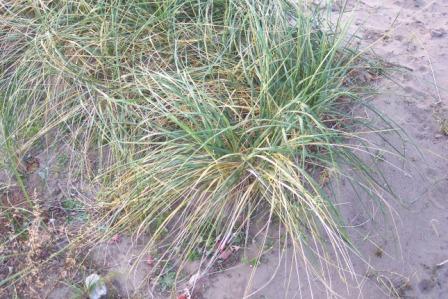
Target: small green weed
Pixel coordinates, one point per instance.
(75, 210)
(167, 281)
(194, 255)
(254, 262)
(62, 160)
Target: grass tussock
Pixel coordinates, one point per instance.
(200, 115)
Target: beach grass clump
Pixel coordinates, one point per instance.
(202, 116)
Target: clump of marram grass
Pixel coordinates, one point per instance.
(201, 114)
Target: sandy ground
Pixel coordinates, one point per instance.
(409, 261)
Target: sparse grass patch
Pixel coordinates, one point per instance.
(201, 115)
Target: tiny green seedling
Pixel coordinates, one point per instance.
(75, 210)
(254, 262)
(167, 281)
(62, 160)
(194, 255)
